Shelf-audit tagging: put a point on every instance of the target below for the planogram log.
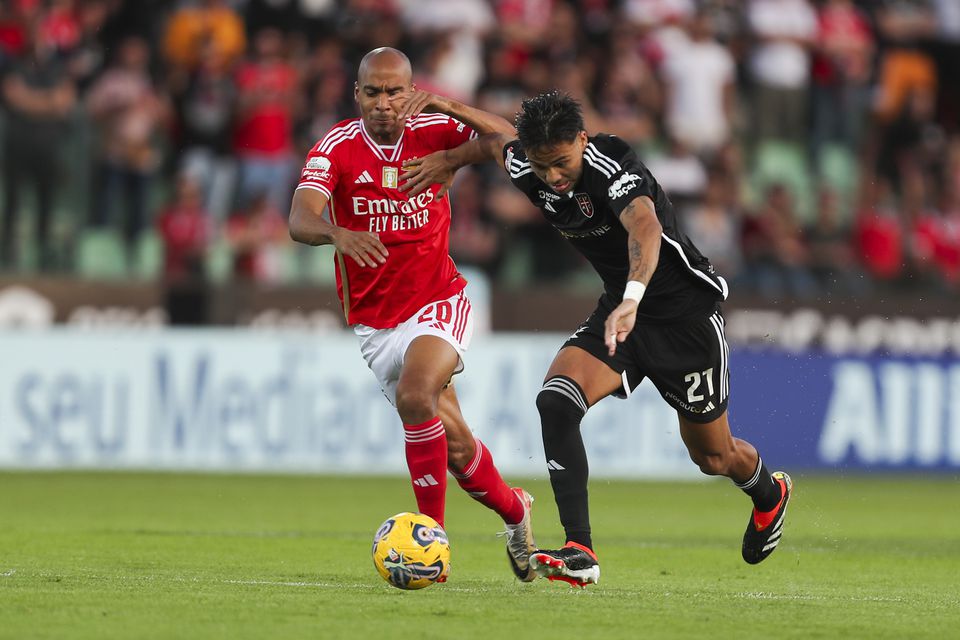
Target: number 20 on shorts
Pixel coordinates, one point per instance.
(441, 312)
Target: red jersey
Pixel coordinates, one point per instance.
(185, 233)
(266, 129)
(361, 180)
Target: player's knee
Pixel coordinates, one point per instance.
(551, 407)
(561, 397)
(415, 405)
(559, 414)
(548, 403)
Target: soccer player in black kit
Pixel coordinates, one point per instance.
(658, 317)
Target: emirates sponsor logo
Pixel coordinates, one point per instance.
(386, 206)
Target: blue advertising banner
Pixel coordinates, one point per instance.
(818, 411)
(247, 400)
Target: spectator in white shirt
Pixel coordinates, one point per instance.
(780, 66)
(699, 86)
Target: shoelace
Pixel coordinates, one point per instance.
(517, 543)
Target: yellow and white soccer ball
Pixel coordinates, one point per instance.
(411, 551)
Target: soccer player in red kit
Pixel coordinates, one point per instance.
(399, 287)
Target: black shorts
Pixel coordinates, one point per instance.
(686, 360)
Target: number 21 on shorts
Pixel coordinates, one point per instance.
(694, 380)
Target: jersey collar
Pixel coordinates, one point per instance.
(389, 153)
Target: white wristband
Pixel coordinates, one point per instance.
(634, 290)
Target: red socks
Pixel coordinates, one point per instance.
(426, 450)
(482, 481)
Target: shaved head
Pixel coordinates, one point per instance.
(383, 58)
(383, 78)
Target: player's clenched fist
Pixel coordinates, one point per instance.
(364, 247)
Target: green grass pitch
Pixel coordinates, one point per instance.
(122, 555)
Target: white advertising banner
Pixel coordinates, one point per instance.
(237, 400)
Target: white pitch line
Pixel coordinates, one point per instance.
(779, 596)
(329, 585)
(272, 583)
(7, 574)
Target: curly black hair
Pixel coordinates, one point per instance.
(548, 119)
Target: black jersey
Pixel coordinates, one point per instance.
(684, 282)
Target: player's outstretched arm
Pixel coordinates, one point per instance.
(639, 218)
(410, 105)
(308, 226)
(440, 166)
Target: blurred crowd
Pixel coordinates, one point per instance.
(811, 148)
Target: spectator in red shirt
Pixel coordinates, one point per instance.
(253, 233)
(523, 27)
(15, 20)
(267, 94)
(949, 255)
(935, 241)
(184, 227)
(59, 27)
(841, 75)
(878, 235)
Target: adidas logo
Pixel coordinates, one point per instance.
(553, 465)
(363, 179)
(427, 480)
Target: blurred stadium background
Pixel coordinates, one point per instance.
(151, 148)
(154, 314)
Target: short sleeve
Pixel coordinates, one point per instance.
(515, 161)
(458, 133)
(440, 130)
(319, 172)
(621, 173)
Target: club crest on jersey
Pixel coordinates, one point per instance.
(586, 206)
(390, 175)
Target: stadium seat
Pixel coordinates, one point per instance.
(838, 170)
(219, 261)
(100, 254)
(319, 265)
(516, 268)
(787, 164)
(148, 261)
(288, 263)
